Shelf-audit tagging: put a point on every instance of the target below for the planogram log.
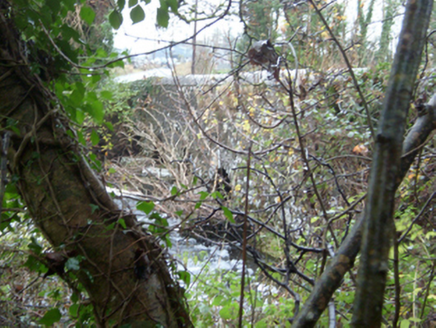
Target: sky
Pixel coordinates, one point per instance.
(133, 36)
(143, 36)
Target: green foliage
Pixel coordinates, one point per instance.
(217, 301)
(116, 19)
(137, 13)
(145, 207)
(330, 118)
(69, 45)
(87, 14)
(228, 214)
(50, 317)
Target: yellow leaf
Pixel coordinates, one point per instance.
(246, 126)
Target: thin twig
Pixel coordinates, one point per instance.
(3, 168)
(397, 284)
(427, 292)
(244, 243)
(417, 217)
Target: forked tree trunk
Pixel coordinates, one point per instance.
(61, 193)
(408, 56)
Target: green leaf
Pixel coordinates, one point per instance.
(122, 223)
(137, 14)
(228, 214)
(54, 6)
(218, 300)
(405, 324)
(162, 17)
(72, 263)
(226, 312)
(106, 95)
(109, 126)
(145, 207)
(70, 134)
(116, 19)
(110, 226)
(50, 317)
(261, 324)
(70, 4)
(167, 241)
(87, 14)
(93, 208)
(32, 263)
(96, 163)
(118, 63)
(121, 4)
(174, 191)
(76, 97)
(95, 78)
(217, 194)
(81, 138)
(73, 310)
(35, 246)
(203, 195)
(95, 139)
(173, 4)
(132, 3)
(97, 111)
(159, 220)
(179, 213)
(74, 298)
(100, 52)
(185, 276)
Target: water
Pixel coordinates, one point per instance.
(191, 254)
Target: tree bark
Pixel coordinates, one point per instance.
(58, 188)
(344, 259)
(386, 164)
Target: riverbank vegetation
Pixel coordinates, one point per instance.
(315, 139)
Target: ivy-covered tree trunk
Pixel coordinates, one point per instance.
(124, 270)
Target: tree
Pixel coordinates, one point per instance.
(387, 172)
(124, 270)
(282, 165)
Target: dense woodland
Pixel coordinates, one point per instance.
(305, 148)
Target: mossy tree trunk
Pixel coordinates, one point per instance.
(71, 207)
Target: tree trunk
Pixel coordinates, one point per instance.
(343, 260)
(71, 207)
(386, 167)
